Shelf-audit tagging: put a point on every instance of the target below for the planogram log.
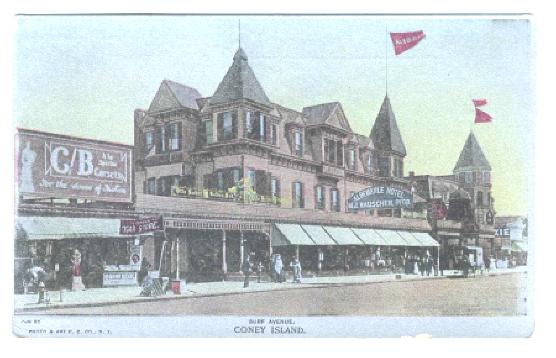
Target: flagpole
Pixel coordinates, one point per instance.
(386, 58)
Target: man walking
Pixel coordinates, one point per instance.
(246, 268)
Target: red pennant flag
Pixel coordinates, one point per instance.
(403, 41)
(479, 102)
(482, 117)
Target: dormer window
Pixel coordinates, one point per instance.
(255, 126)
(352, 160)
(333, 151)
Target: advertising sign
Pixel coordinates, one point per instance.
(140, 226)
(54, 166)
(381, 197)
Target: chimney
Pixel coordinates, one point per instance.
(411, 173)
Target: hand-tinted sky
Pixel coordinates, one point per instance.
(84, 76)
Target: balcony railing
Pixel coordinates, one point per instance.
(234, 194)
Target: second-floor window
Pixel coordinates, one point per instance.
(480, 198)
(468, 177)
(151, 186)
(333, 151)
(384, 166)
(352, 159)
(319, 197)
(297, 194)
(334, 200)
(162, 146)
(275, 189)
(486, 177)
(174, 136)
(370, 164)
(227, 126)
(298, 143)
(208, 132)
(273, 134)
(149, 141)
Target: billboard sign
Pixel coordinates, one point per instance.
(55, 166)
(381, 197)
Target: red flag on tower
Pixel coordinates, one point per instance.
(403, 41)
(482, 117)
(479, 102)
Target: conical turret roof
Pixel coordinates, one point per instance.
(385, 133)
(239, 83)
(472, 155)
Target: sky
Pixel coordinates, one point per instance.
(85, 75)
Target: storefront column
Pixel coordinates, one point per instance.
(346, 253)
(177, 258)
(438, 260)
(297, 252)
(241, 250)
(224, 262)
(320, 257)
(270, 242)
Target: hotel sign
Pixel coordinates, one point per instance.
(381, 197)
(57, 166)
(140, 226)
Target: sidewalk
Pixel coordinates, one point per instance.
(115, 295)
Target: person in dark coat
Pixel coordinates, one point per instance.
(246, 268)
(430, 265)
(423, 266)
(465, 264)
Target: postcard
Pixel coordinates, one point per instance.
(273, 176)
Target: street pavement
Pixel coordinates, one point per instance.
(346, 295)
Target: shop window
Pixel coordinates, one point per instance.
(251, 177)
(149, 142)
(236, 176)
(319, 197)
(384, 212)
(297, 194)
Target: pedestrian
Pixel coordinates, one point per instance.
(465, 264)
(422, 266)
(143, 271)
(246, 268)
(296, 269)
(259, 268)
(487, 263)
(430, 265)
(278, 265)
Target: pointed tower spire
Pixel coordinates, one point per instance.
(239, 83)
(385, 133)
(472, 155)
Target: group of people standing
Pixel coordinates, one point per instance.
(277, 272)
(423, 265)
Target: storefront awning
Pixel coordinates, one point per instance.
(291, 234)
(410, 239)
(392, 238)
(318, 235)
(59, 228)
(370, 237)
(343, 235)
(425, 239)
(519, 246)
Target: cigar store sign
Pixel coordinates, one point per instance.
(62, 167)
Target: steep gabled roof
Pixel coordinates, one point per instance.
(472, 155)
(364, 141)
(327, 113)
(385, 133)
(239, 83)
(173, 95)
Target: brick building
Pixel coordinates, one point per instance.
(235, 173)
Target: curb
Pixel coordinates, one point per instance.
(221, 294)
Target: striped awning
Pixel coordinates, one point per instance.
(425, 239)
(291, 234)
(392, 238)
(409, 238)
(318, 235)
(370, 237)
(343, 235)
(60, 228)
